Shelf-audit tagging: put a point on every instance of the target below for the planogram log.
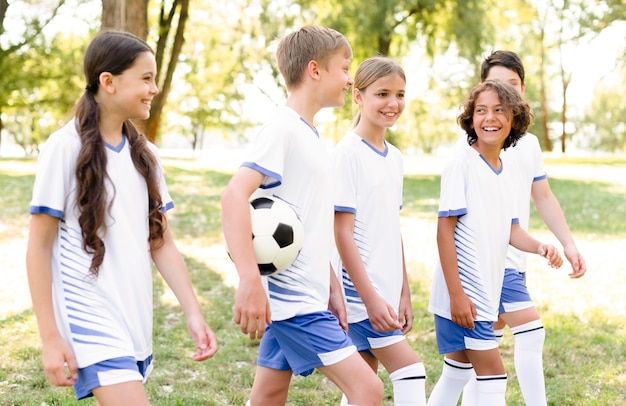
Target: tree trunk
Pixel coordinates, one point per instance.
(165, 77)
(542, 94)
(126, 15)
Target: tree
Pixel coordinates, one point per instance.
(605, 118)
(13, 48)
(132, 16)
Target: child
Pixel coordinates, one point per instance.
(516, 306)
(477, 221)
(288, 159)
(98, 221)
(368, 199)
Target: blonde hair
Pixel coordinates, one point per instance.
(372, 69)
(309, 43)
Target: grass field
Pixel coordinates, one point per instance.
(585, 351)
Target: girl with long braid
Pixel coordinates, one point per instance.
(98, 224)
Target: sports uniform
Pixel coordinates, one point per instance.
(368, 183)
(109, 316)
(527, 158)
(481, 198)
(297, 170)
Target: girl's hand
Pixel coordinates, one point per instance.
(203, 337)
(406, 316)
(552, 254)
(462, 310)
(59, 363)
(382, 316)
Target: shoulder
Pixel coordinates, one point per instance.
(529, 143)
(63, 140)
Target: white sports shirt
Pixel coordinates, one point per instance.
(526, 156)
(297, 169)
(484, 202)
(368, 183)
(109, 316)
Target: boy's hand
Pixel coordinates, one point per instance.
(552, 254)
(59, 363)
(462, 311)
(579, 267)
(203, 337)
(252, 309)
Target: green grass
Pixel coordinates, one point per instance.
(585, 351)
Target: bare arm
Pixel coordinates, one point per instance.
(252, 309)
(405, 316)
(382, 316)
(336, 304)
(523, 241)
(55, 350)
(551, 212)
(462, 310)
(172, 267)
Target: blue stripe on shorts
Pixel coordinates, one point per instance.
(365, 337)
(452, 338)
(514, 294)
(302, 343)
(110, 372)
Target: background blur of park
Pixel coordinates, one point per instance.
(219, 80)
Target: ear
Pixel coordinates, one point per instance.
(313, 70)
(523, 89)
(357, 96)
(105, 82)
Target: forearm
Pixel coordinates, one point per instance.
(523, 241)
(41, 237)
(172, 268)
(352, 262)
(552, 215)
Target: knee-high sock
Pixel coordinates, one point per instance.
(491, 390)
(409, 385)
(528, 355)
(470, 391)
(451, 382)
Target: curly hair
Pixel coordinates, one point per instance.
(518, 111)
(114, 52)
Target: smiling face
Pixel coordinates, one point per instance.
(490, 120)
(135, 88)
(382, 102)
(336, 79)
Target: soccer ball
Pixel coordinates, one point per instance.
(277, 234)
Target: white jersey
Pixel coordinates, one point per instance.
(368, 183)
(297, 169)
(526, 156)
(110, 315)
(484, 203)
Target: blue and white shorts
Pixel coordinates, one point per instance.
(452, 338)
(366, 338)
(111, 372)
(514, 294)
(303, 343)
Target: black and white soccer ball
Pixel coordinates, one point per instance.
(277, 234)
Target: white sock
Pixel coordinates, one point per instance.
(491, 390)
(528, 355)
(409, 385)
(453, 378)
(344, 400)
(470, 391)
